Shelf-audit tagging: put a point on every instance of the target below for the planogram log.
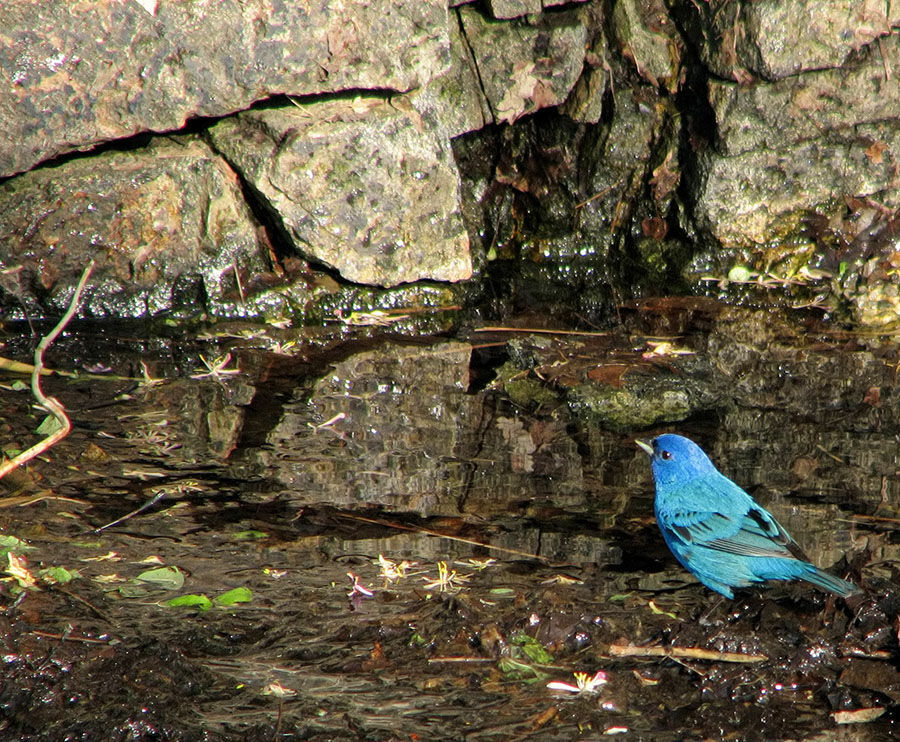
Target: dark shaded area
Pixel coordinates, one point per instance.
(566, 229)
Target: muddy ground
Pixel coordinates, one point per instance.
(373, 538)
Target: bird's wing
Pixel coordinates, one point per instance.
(744, 528)
(759, 535)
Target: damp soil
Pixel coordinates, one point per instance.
(379, 538)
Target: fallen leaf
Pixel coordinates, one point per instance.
(804, 466)
(875, 152)
(234, 596)
(612, 374)
(664, 348)
(665, 179)
(654, 227)
(660, 612)
(377, 659)
(200, 602)
(857, 716)
(872, 396)
(278, 690)
(164, 578)
(18, 568)
(94, 454)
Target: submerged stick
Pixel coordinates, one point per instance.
(539, 331)
(128, 516)
(438, 534)
(691, 653)
(51, 404)
(17, 367)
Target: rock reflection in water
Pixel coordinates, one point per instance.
(291, 479)
(397, 427)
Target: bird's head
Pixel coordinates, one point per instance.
(675, 458)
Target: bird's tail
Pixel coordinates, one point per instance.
(829, 582)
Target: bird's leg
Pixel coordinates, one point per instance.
(704, 619)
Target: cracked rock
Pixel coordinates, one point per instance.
(363, 186)
(169, 218)
(75, 74)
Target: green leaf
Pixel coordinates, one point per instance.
(164, 578)
(58, 575)
(515, 670)
(249, 535)
(132, 590)
(190, 601)
(619, 597)
(533, 649)
(12, 543)
(49, 425)
(739, 273)
(660, 612)
(232, 597)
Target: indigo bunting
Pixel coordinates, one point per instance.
(717, 531)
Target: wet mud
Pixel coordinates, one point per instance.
(386, 539)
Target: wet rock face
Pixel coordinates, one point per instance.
(76, 75)
(359, 186)
(608, 163)
(513, 85)
(773, 40)
(794, 145)
(170, 217)
(803, 152)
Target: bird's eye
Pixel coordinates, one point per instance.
(665, 455)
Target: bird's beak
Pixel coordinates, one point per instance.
(647, 448)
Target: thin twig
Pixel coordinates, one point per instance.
(17, 367)
(693, 653)
(536, 331)
(237, 280)
(51, 404)
(862, 518)
(21, 501)
(69, 638)
(875, 654)
(598, 195)
(91, 606)
(438, 534)
(128, 516)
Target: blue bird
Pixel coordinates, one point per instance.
(717, 531)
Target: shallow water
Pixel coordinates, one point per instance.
(293, 476)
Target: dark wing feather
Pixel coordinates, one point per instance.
(760, 535)
(753, 534)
